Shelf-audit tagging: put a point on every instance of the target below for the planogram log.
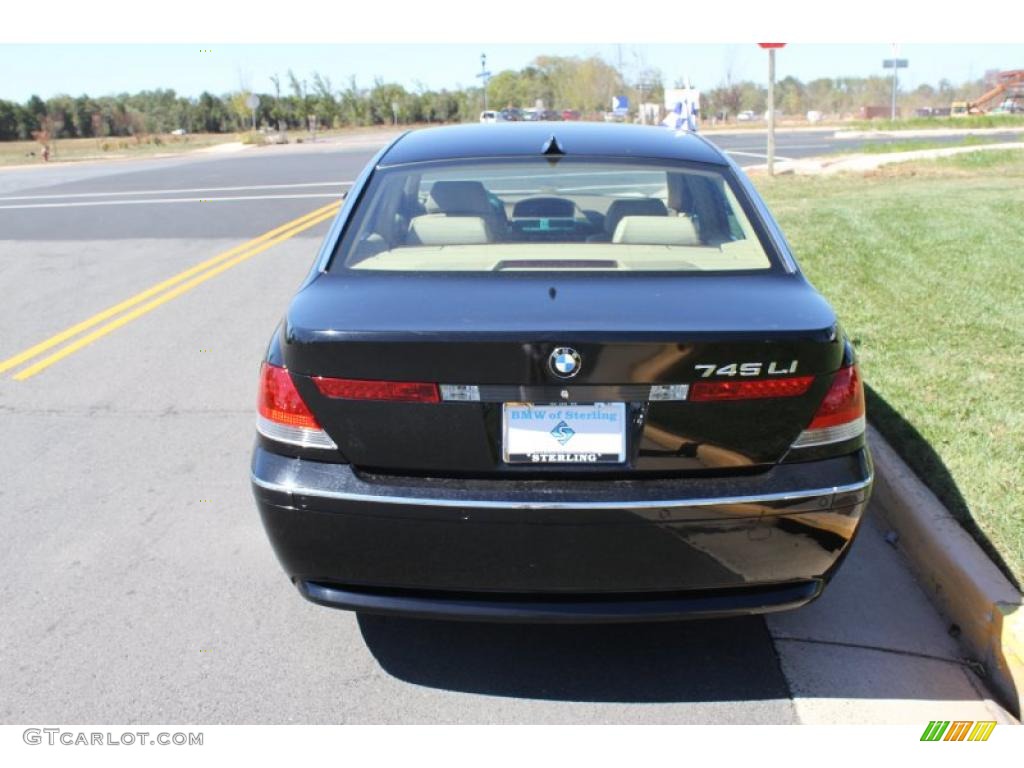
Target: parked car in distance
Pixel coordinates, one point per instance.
(178, 132)
(512, 114)
(570, 114)
(491, 116)
(560, 373)
(746, 116)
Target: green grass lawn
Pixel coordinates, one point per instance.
(924, 263)
(880, 148)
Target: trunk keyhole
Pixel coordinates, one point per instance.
(552, 292)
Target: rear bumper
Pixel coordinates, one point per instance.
(605, 609)
(561, 550)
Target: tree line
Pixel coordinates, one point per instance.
(841, 96)
(584, 84)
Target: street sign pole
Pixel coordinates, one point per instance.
(253, 102)
(771, 103)
(895, 65)
(484, 76)
(895, 78)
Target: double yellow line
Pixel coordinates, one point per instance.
(151, 298)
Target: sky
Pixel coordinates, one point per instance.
(101, 69)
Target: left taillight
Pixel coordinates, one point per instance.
(841, 414)
(283, 415)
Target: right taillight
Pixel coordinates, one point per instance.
(704, 391)
(364, 389)
(841, 414)
(283, 415)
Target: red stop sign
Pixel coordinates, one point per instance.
(772, 45)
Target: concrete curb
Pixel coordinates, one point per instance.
(861, 163)
(958, 577)
(761, 129)
(926, 132)
(225, 148)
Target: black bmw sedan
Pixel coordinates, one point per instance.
(564, 373)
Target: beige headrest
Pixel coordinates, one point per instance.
(656, 230)
(641, 206)
(459, 198)
(437, 229)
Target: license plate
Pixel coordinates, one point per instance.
(564, 434)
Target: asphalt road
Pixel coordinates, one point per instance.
(137, 583)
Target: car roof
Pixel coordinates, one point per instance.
(528, 140)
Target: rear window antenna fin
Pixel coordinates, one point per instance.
(552, 147)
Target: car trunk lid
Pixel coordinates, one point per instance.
(489, 340)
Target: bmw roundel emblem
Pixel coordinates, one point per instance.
(565, 362)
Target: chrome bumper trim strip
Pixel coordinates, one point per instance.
(768, 498)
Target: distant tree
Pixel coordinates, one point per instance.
(353, 106)
(725, 100)
(874, 90)
(505, 89)
(946, 91)
(534, 86)
(382, 96)
(439, 106)
(470, 101)
(9, 118)
(922, 96)
(648, 87)
(560, 82)
(819, 95)
(26, 123)
(210, 114)
(789, 96)
(57, 121)
(82, 110)
(298, 102)
(324, 104)
(585, 84)
(36, 109)
(278, 111)
(239, 102)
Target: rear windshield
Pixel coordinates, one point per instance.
(570, 214)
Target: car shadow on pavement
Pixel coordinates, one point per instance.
(724, 660)
(921, 457)
(873, 639)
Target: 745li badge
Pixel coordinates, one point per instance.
(746, 369)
